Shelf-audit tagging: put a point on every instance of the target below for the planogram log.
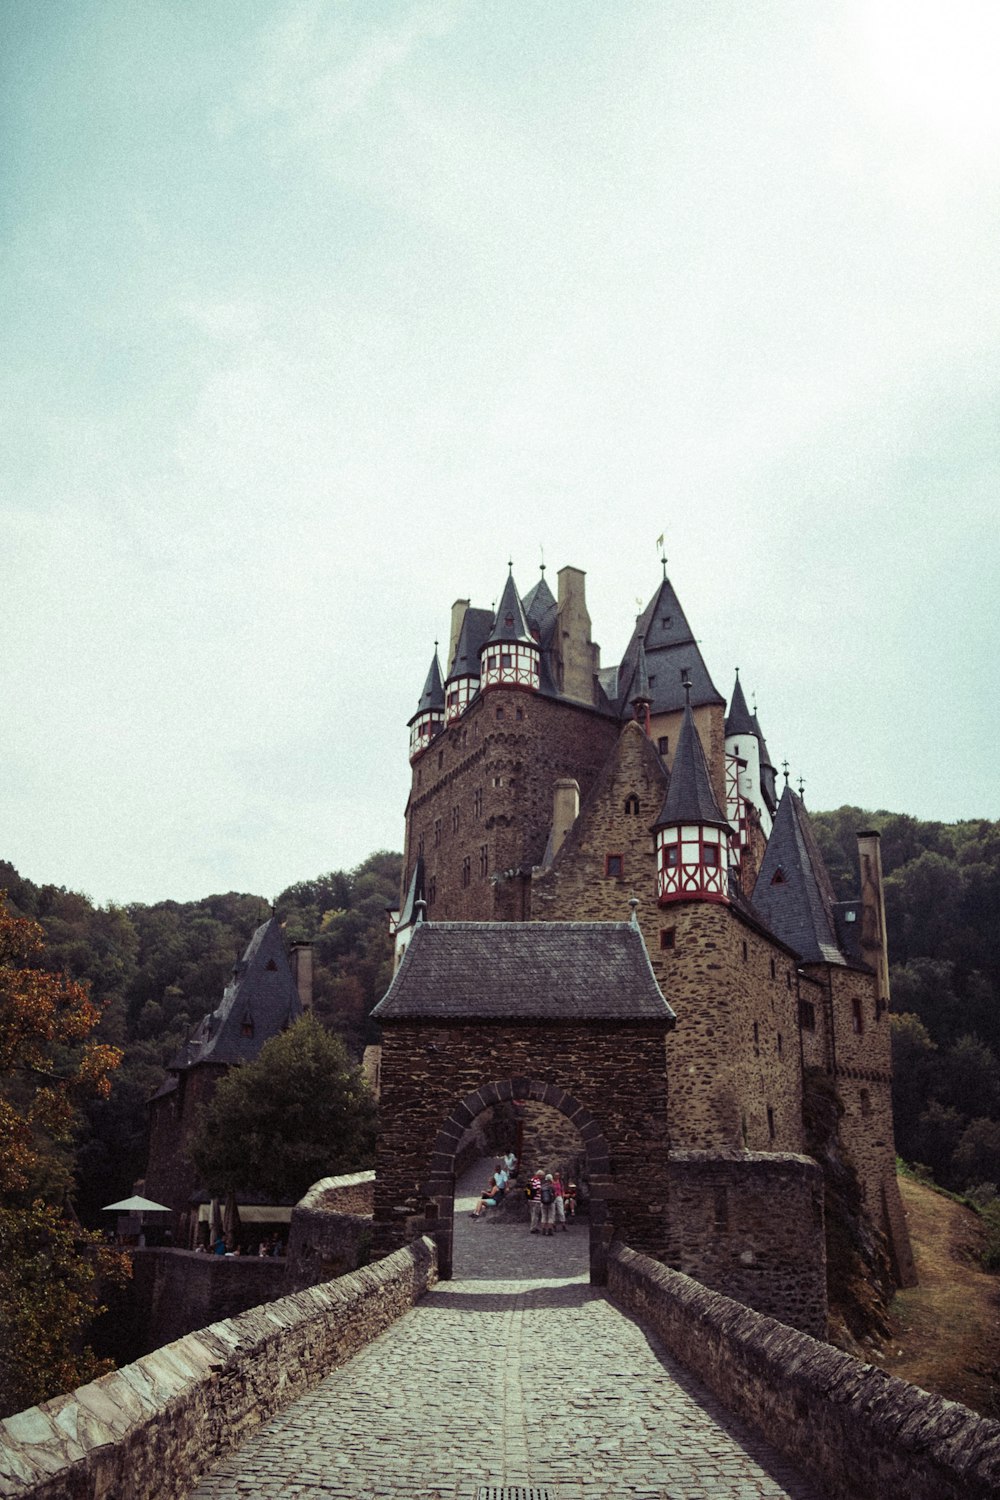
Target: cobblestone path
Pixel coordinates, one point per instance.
(514, 1380)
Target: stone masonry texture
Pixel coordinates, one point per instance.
(146, 1432)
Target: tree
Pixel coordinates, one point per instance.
(49, 1267)
(300, 1112)
(47, 1062)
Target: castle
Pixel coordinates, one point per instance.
(549, 789)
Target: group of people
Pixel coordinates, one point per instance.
(552, 1203)
(495, 1190)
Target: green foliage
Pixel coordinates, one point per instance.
(277, 1125)
(154, 971)
(943, 918)
(49, 1276)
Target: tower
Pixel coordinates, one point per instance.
(510, 656)
(428, 720)
(692, 834)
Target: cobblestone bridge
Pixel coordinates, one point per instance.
(514, 1381)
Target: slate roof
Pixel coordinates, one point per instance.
(738, 720)
(510, 623)
(768, 774)
(525, 971)
(414, 893)
(793, 893)
(476, 626)
(433, 693)
(261, 993)
(639, 691)
(670, 647)
(540, 606)
(690, 798)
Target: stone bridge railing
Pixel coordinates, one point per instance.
(865, 1434)
(149, 1430)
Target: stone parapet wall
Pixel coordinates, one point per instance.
(861, 1432)
(150, 1430)
(354, 1193)
(750, 1225)
(173, 1292)
(330, 1231)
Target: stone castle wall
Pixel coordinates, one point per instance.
(862, 1433)
(331, 1229)
(750, 1225)
(170, 1174)
(482, 793)
(615, 1070)
(149, 1431)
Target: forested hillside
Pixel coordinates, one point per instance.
(156, 970)
(943, 915)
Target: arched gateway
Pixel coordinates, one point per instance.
(567, 1014)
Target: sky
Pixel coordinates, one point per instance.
(316, 312)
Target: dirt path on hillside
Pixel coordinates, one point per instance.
(946, 1330)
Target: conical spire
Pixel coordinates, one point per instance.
(690, 798)
(793, 893)
(510, 623)
(432, 696)
(738, 720)
(511, 656)
(670, 648)
(640, 694)
(539, 604)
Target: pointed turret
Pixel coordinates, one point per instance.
(463, 675)
(670, 649)
(640, 696)
(793, 893)
(511, 655)
(539, 607)
(429, 717)
(411, 910)
(742, 769)
(692, 834)
(768, 771)
(738, 720)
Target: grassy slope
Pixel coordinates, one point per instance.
(946, 1331)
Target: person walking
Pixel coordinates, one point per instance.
(560, 1200)
(535, 1195)
(548, 1200)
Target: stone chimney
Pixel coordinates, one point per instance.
(565, 806)
(301, 960)
(457, 616)
(576, 651)
(874, 949)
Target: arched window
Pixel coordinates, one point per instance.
(631, 805)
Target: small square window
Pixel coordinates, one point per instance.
(668, 937)
(614, 865)
(663, 744)
(499, 713)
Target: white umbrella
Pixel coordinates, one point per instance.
(136, 1205)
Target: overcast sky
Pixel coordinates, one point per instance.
(316, 312)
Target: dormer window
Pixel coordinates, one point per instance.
(271, 966)
(779, 878)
